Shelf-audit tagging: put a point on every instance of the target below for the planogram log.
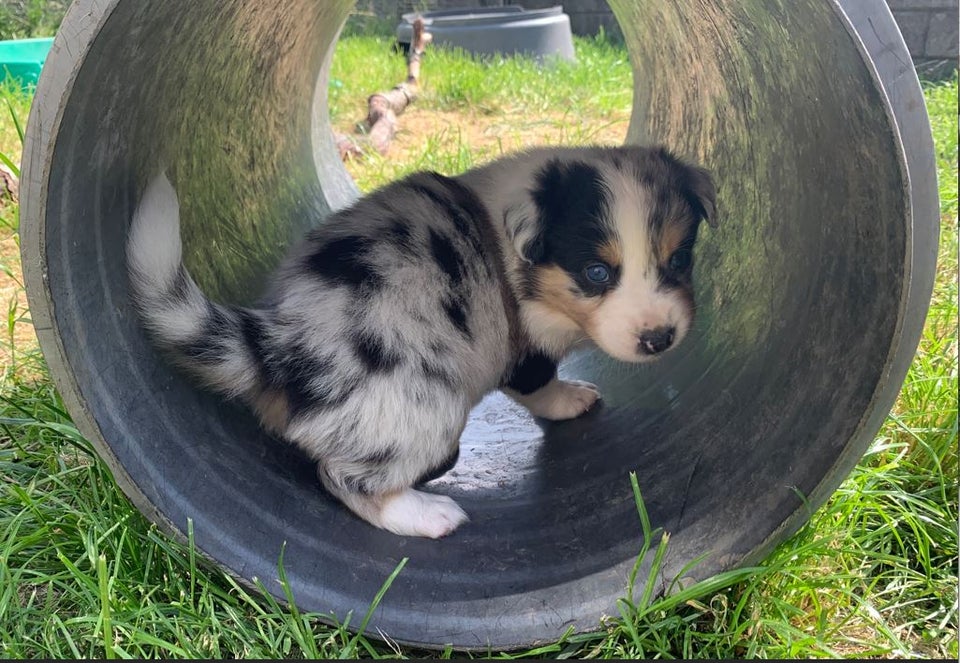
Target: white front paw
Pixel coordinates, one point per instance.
(561, 399)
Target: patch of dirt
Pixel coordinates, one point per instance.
(510, 131)
(13, 300)
(489, 136)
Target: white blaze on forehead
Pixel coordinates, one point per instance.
(629, 217)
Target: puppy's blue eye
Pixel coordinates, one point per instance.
(597, 273)
(680, 260)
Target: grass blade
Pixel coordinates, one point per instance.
(16, 120)
(106, 622)
(14, 168)
(351, 648)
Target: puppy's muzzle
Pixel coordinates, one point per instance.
(656, 340)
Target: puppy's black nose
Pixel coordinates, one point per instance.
(654, 341)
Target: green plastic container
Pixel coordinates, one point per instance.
(23, 58)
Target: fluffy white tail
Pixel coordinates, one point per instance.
(205, 337)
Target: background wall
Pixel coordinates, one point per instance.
(931, 28)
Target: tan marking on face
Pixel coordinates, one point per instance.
(610, 253)
(675, 230)
(557, 291)
(678, 221)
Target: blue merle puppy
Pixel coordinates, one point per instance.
(395, 316)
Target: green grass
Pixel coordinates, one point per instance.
(873, 573)
(20, 19)
(454, 80)
(84, 575)
(528, 100)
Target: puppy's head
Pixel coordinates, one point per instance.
(606, 243)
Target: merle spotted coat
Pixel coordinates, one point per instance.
(393, 318)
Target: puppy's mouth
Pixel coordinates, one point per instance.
(644, 346)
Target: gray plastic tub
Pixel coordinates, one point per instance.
(540, 33)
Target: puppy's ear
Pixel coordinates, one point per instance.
(703, 194)
(522, 221)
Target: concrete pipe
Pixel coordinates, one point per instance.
(812, 295)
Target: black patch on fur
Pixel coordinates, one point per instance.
(531, 373)
(672, 279)
(697, 187)
(379, 457)
(570, 200)
(398, 233)
(479, 232)
(342, 261)
(220, 321)
(253, 332)
(677, 187)
(209, 348)
(437, 374)
(356, 483)
(204, 350)
(330, 394)
(296, 374)
(308, 381)
(669, 280)
(373, 353)
(457, 313)
(440, 469)
(460, 205)
(180, 286)
(446, 257)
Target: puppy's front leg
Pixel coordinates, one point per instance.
(535, 385)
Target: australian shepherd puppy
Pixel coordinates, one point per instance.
(396, 315)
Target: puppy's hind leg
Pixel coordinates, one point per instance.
(383, 497)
